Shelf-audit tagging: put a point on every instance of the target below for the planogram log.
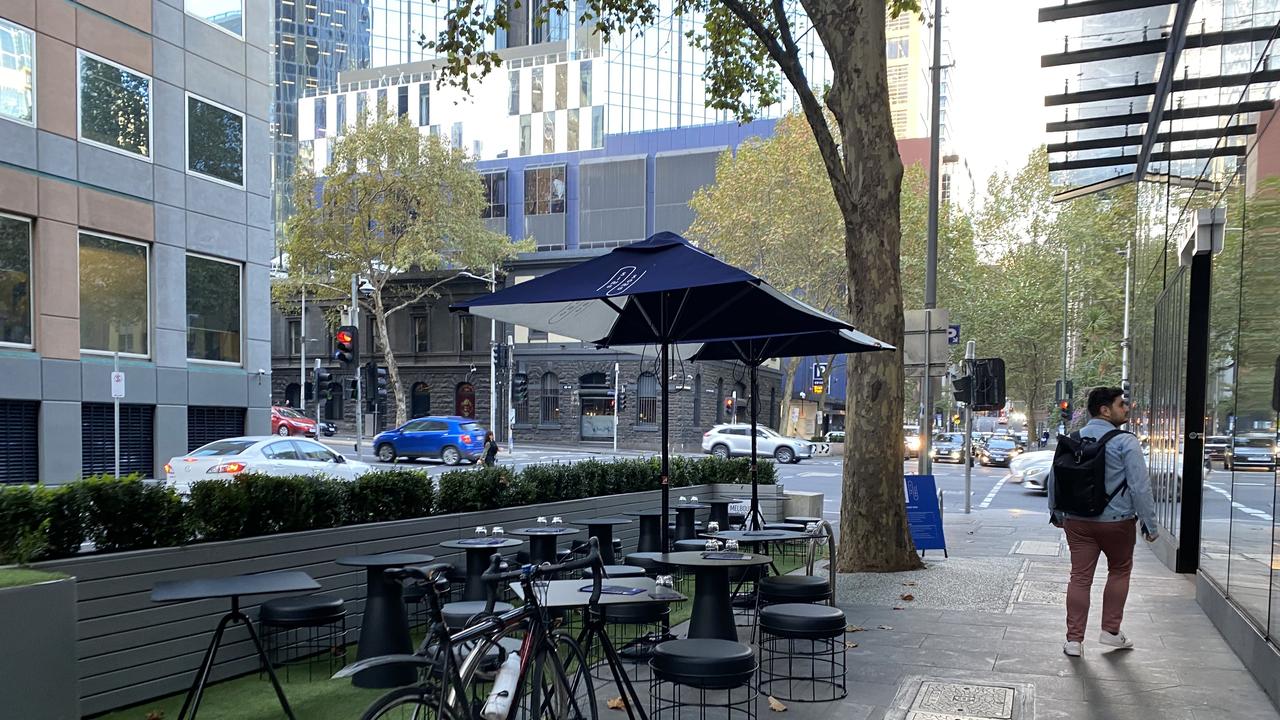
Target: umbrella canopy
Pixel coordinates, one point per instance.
(660, 291)
(753, 351)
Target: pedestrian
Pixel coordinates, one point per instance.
(1044, 438)
(1127, 502)
(490, 450)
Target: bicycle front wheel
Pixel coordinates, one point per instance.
(558, 685)
(407, 703)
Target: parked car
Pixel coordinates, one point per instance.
(267, 454)
(730, 440)
(948, 447)
(1215, 447)
(450, 439)
(1019, 465)
(1251, 451)
(998, 452)
(1032, 470)
(835, 436)
(286, 421)
(328, 428)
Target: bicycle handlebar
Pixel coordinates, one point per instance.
(495, 576)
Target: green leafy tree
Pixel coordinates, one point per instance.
(398, 208)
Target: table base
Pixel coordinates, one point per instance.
(712, 616)
(192, 701)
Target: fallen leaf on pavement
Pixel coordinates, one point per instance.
(910, 583)
(908, 597)
(776, 706)
(886, 627)
(854, 628)
(616, 704)
(850, 645)
(899, 607)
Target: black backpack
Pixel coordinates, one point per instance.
(1079, 475)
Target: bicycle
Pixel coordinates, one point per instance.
(484, 671)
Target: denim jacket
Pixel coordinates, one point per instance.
(1124, 462)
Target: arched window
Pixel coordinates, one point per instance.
(420, 400)
(719, 400)
(697, 401)
(550, 398)
(647, 399)
(465, 400)
(520, 400)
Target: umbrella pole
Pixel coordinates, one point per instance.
(755, 521)
(664, 478)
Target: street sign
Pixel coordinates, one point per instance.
(117, 384)
(914, 342)
(953, 334)
(822, 448)
(819, 371)
(924, 517)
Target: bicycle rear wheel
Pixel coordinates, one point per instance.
(408, 703)
(558, 685)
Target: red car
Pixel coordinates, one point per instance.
(286, 421)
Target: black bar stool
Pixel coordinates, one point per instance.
(702, 679)
(296, 628)
(802, 652)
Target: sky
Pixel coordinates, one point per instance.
(998, 86)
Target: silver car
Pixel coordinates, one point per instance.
(734, 440)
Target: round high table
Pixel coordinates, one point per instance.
(385, 627)
(650, 530)
(802, 519)
(758, 540)
(601, 528)
(720, 511)
(480, 552)
(542, 540)
(684, 519)
(712, 616)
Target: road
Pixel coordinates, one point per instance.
(821, 474)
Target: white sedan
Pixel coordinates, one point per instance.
(269, 455)
(1031, 469)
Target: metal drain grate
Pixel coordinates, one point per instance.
(921, 698)
(1043, 548)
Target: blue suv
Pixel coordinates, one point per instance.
(450, 439)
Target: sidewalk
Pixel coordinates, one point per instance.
(988, 624)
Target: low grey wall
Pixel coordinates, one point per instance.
(130, 649)
(37, 664)
(1259, 654)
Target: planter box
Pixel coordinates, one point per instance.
(130, 649)
(38, 677)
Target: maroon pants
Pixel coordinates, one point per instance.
(1087, 539)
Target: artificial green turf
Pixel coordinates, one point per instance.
(250, 697)
(14, 577)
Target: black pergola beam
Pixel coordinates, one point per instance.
(1151, 47)
(1138, 118)
(1131, 140)
(1177, 39)
(1144, 89)
(1066, 11)
(1131, 158)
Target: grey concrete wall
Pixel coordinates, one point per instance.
(1260, 655)
(38, 677)
(130, 649)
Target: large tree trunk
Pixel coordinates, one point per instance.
(788, 382)
(874, 535)
(389, 357)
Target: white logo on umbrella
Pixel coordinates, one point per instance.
(622, 280)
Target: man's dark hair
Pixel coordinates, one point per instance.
(1101, 397)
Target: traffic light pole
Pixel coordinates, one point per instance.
(355, 320)
(317, 395)
(970, 353)
(493, 359)
(511, 408)
(616, 386)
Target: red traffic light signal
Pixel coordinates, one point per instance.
(344, 337)
(345, 345)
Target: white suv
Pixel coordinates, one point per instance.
(735, 440)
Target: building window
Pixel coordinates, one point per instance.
(466, 333)
(647, 399)
(97, 439)
(402, 101)
(562, 86)
(340, 115)
(526, 135)
(597, 127)
(207, 424)
(697, 401)
(227, 15)
(371, 346)
(548, 132)
(115, 295)
(537, 335)
(495, 194)
(421, 334)
(295, 338)
(322, 117)
(213, 310)
(215, 140)
(115, 106)
(424, 104)
(571, 132)
(584, 83)
(719, 401)
(362, 107)
(19, 441)
(521, 403)
(15, 274)
(550, 399)
(535, 92)
(455, 135)
(544, 190)
(513, 94)
(896, 48)
(382, 103)
(17, 73)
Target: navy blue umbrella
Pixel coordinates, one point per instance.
(753, 351)
(660, 291)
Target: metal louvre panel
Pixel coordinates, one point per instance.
(611, 203)
(19, 452)
(137, 441)
(678, 177)
(207, 424)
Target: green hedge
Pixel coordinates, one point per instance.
(117, 514)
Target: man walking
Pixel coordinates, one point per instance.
(1111, 533)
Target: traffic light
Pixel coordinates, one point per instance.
(324, 379)
(1064, 409)
(988, 383)
(622, 398)
(335, 388)
(962, 388)
(377, 383)
(345, 346)
(499, 356)
(520, 388)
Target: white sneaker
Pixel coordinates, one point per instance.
(1117, 640)
(1072, 648)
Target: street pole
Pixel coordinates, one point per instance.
(931, 245)
(511, 408)
(493, 358)
(355, 320)
(304, 392)
(616, 388)
(115, 402)
(970, 353)
(1126, 343)
(1066, 270)
(302, 353)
